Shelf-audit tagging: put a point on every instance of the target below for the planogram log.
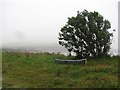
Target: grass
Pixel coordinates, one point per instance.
(23, 70)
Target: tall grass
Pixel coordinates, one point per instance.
(24, 70)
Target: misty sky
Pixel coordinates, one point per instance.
(36, 23)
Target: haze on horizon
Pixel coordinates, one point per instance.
(36, 23)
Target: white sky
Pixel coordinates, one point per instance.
(38, 22)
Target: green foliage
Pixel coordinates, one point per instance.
(86, 35)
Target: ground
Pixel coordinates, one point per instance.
(24, 70)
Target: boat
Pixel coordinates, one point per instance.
(79, 61)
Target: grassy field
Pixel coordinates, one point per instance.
(22, 70)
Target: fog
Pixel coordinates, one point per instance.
(36, 23)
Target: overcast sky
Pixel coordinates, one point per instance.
(34, 23)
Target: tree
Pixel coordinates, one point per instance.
(86, 35)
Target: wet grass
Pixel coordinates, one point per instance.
(23, 70)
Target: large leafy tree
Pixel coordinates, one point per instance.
(86, 35)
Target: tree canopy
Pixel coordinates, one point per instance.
(86, 35)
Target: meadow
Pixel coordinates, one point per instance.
(38, 70)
